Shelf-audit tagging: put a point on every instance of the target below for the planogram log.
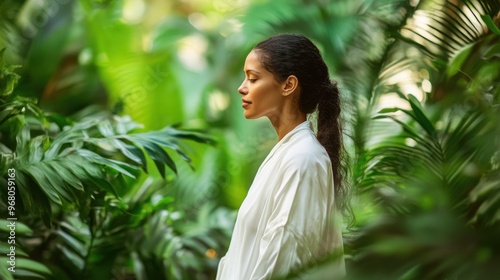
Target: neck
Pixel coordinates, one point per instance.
(286, 123)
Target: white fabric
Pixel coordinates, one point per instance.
(286, 219)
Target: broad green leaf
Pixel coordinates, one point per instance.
(125, 124)
(420, 116)
(74, 258)
(45, 185)
(132, 152)
(159, 138)
(66, 175)
(33, 266)
(456, 62)
(106, 129)
(56, 181)
(491, 24)
(389, 110)
(160, 157)
(119, 166)
(79, 248)
(80, 166)
(155, 151)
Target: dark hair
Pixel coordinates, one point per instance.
(291, 54)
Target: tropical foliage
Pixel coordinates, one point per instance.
(77, 188)
(102, 197)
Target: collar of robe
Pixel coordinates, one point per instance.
(287, 137)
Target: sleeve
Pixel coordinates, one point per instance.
(298, 219)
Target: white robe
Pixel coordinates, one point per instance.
(286, 219)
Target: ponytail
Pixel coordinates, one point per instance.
(330, 136)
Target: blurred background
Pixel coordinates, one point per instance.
(123, 125)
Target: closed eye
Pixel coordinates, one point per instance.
(252, 80)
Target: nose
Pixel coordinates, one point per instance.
(242, 89)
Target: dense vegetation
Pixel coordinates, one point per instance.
(122, 122)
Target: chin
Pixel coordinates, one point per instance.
(248, 116)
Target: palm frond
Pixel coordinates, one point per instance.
(442, 181)
(61, 169)
(441, 28)
(21, 265)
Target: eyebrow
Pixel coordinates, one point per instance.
(251, 70)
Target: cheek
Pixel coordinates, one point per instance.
(272, 95)
(265, 95)
(265, 91)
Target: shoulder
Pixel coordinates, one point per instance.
(304, 151)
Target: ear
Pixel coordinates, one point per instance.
(290, 85)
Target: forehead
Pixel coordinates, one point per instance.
(252, 62)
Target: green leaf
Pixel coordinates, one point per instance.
(41, 178)
(62, 187)
(415, 135)
(5, 249)
(389, 110)
(66, 175)
(8, 77)
(106, 128)
(133, 153)
(80, 166)
(492, 53)
(76, 246)
(456, 62)
(420, 116)
(71, 256)
(4, 272)
(33, 198)
(119, 166)
(153, 142)
(102, 184)
(36, 148)
(33, 266)
(491, 24)
(21, 228)
(27, 274)
(160, 157)
(189, 135)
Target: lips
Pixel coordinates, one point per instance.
(245, 103)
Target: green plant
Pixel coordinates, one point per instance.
(141, 235)
(78, 188)
(433, 183)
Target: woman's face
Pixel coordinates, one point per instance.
(261, 93)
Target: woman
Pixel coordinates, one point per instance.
(286, 220)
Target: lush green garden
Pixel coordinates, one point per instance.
(124, 152)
